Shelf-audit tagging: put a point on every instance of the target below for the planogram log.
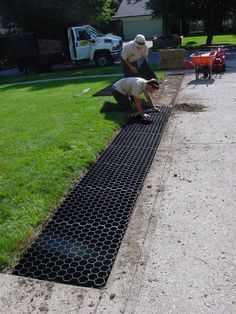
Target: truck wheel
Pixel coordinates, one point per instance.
(31, 68)
(103, 59)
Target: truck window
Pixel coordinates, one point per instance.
(95, 33)
(83, 35)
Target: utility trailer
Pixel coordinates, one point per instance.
(32, 52)
(29, 53)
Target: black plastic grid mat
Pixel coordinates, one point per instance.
(156, 123)
(128, 155)
(137, 139)
(79, 244)
(115, 176)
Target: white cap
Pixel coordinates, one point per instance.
(140, 40)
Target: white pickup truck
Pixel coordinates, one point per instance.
(33, 52)
(88, 44)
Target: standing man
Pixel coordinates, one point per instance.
(127, 87)
(131, 53)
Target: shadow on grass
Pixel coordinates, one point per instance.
(121, 117)
(190, 43)
(107, 91)
(62, 74)
(55, 82)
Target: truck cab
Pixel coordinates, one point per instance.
(86, 44)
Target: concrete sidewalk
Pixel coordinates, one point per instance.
(178, 253)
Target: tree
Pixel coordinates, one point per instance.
(166, 8)
(213, 12)
(115, 4)
(41, 15)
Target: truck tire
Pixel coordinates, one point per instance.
(103, 59)
(31, 68)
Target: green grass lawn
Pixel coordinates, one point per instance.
(195, 41)
(50, 133)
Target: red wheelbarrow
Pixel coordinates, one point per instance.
(203, 62)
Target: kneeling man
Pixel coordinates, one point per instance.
(132, 87)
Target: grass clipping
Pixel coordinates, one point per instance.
(172, 59)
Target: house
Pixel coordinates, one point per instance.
(137, 19)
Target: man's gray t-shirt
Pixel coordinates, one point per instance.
(132, 86)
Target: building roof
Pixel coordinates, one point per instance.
(132, 8)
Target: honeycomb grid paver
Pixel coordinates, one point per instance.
(79, 244)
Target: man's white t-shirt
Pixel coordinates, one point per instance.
(132, 53)
(132, 86)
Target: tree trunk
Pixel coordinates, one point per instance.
(209, 38)
(213, 21)
(165, 24)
